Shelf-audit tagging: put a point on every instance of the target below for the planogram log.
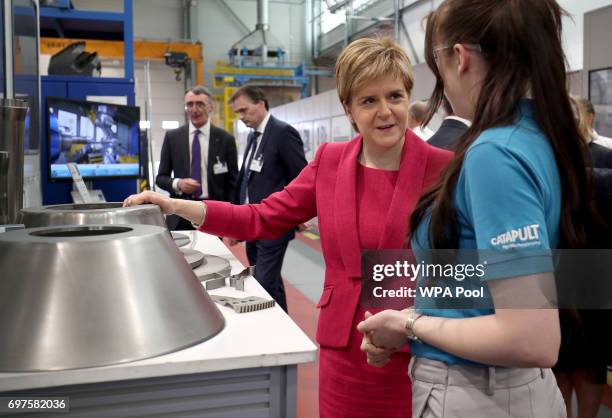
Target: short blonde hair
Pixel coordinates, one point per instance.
(581, 110)
(367, 59)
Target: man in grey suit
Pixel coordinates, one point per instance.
(198, 161)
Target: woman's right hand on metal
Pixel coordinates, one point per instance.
(165, 203)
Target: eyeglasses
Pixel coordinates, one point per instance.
(436, 56)
(199, 105)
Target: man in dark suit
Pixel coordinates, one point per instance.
(451, 129)
(273, 157)
(198, 160)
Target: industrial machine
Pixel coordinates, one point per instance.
(108, 213)
(74, 60)
(92, 297)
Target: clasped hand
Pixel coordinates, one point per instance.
(383, 335)
(188, 185)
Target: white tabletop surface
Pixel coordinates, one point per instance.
(255, 339)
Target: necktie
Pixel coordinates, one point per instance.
(196, 163)
(249, 153)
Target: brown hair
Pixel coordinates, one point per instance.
(521, 43)
(255, 94)
(418, 111)
(367, 59)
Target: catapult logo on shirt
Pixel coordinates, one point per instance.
(526, 236)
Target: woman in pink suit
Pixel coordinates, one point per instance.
(363, 192)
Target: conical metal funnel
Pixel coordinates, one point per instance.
(92, 214)
(94, 295)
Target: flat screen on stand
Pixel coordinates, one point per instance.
(101, 138)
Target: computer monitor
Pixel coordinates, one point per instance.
(102, 138)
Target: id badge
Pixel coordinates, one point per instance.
(219, 168)
(256, 165)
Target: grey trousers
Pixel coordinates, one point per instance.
(457, 391)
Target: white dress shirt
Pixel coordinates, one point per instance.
(261, 128)
(602, 140)
(466, 122)
(423, 132)
(204, 138)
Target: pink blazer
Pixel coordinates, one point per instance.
(326, 188)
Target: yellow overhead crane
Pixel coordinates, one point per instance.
(229, 78)
(143, 50)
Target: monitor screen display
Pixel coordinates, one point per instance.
(101, 138)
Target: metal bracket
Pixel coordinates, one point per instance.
(79, 184)
(237, 280)
(215, 282)
(248, 304)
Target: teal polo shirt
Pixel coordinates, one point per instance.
(508, 203)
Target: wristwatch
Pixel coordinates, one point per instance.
(413, 315)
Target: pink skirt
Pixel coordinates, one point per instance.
(350, 388)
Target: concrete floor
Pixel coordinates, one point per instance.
(304, 268)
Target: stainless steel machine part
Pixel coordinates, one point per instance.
(237, 280)
(242, 305)
(214, 281)
(212, 266)
(12, 123)
(180, 239)
(107, 213)
(86, 296)
(4, 187)
(194, 258)
(237, 283)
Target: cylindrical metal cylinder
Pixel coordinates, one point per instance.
(263, 15)
(12, 120)
(4, 182)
